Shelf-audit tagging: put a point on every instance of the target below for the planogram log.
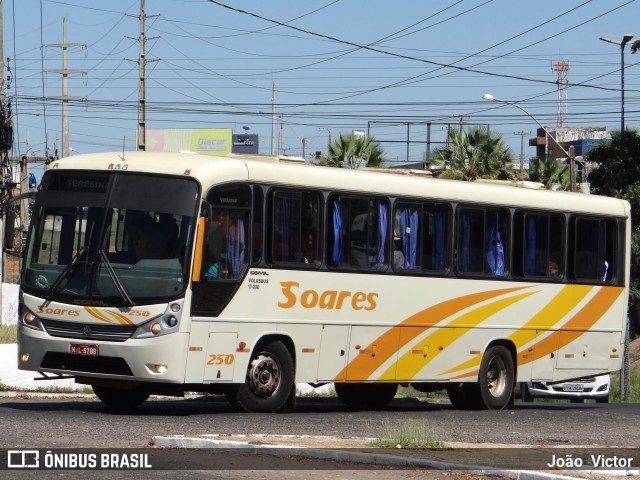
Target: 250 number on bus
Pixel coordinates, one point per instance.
(222, 359)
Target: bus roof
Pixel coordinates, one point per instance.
(210, 170)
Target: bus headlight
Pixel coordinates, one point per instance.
(31, 320)
(164, 324)
(155, 328)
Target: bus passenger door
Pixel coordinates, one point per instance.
(542, 367)
(220, 360)
(333, 352)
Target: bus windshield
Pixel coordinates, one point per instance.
(110, 239)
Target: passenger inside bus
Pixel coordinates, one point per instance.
(224, 255)
(552, 269)
(215, 240)
(150, 239)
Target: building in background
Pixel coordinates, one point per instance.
(584, 139)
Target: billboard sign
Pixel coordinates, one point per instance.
(206, 141)
(245, 143)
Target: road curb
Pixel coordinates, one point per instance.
(344, 455)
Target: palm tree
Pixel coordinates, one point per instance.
(351, 151)
(550, 172)
(474, 153)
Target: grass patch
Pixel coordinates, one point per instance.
(318, 393)
(410, 435)
(633, 395)
(8, 334)
(410, 392)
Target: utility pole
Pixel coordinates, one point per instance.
(522, 135)
(5, 127)
(65, 72)
(273, 115)
(280, 149)
(142, 92)
(622, 43)
(304, 147)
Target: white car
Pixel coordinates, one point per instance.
(576, 391)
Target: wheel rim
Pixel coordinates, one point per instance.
(496, 376)
(264, 376)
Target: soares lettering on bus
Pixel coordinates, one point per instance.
(329, 299)
(58, 311)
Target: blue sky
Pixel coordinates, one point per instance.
(337, 65)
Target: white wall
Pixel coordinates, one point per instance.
(9, 304)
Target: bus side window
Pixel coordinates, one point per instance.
(482, 241)
(539, 245)
(357, 233)
(594, 248)
(294, 227)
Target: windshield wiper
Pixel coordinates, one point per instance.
(68, 270)
(114, 278)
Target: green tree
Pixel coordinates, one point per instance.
(352, 151)
(618, 163)
(474, 153)
(550, 172)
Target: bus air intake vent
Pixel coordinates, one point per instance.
(85, 331)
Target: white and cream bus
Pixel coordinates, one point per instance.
(151, 273)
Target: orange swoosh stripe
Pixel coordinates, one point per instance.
(446, 335)
(576, 326)
(553, 312)
(94, 312)
(120, 317)
(387, 343)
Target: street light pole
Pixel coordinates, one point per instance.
(570, 154)
(622, 43)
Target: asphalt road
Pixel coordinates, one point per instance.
(86, 422)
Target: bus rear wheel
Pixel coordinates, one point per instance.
(496, 377)
(120, 398)
(269, 381)
(465, 396)
(366, 395)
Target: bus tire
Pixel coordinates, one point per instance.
(366, 395)
(496, 377)
(526, 394)
(269, 381)
(120, 398)
(465, 396)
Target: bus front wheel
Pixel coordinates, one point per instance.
(120, 398)
(269, 381)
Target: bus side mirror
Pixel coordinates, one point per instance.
(9, 229)
(213, 240)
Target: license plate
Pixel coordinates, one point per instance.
(83, 349)
(573, 387)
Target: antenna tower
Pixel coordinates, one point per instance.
(562, 67)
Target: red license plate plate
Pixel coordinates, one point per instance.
(83, 349)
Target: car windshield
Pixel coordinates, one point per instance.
(117, 239)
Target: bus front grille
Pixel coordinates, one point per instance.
(85, 331)
(87, 364)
